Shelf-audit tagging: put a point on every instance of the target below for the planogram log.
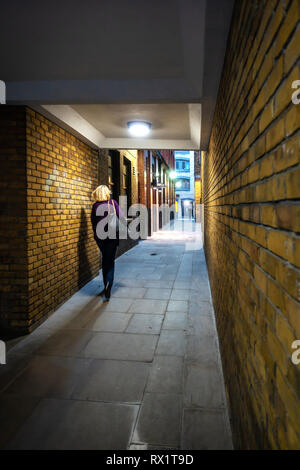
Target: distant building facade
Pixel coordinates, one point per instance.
(198, 182)
(155, 185)
(185, 183)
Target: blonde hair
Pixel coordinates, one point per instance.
(102, 193)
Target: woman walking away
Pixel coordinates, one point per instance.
(107, 246)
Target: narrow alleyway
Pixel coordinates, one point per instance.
(140, 372)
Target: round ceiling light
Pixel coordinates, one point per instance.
(139, 128)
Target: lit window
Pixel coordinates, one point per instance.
(183, 184)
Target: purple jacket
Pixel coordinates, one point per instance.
(96, 218)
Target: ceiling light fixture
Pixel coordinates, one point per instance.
(139, 128)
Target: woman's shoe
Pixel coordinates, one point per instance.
(107, 290)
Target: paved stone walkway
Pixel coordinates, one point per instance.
(139, 372)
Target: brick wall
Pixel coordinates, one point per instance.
(13, 252)
(197, 172)
(103, 166)
(251, 193)
(169, 157)
(47, 249)
(62, 172)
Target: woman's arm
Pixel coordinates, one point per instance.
(93, 218)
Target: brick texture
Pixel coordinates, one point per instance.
(251, 195)
(62, 172)
(47, 249)
(13, 214)
(103, 166)
(197, 171)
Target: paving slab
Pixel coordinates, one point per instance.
(133, 347)
(177, 306)
(163, 284)
(180, 294)
(201, 294)
(145, 323)
(158, 294)
(200, 308)
(201, 350)
(175, 321)
(14, 411)
(157, 307)
(159, 420)
(129, 292)
(109, 321)
(203, 386)
(151, 276)
(168, 276)
(30, 343)
(65, 343)
(49, 376)
(15, 364)
(76, 425)
(205, 430)
(129, 282)
(113, 381)
(172, 343)
(201, 325)
(182, 285)
(166, 375)
(117, 305)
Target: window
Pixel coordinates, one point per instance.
(110, 171)
(183, 184)
(182, 164)
(125, 176)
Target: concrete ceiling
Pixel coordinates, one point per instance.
(174, 126)
(98, 58)
(111, 120)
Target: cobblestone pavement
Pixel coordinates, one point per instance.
(141, 371)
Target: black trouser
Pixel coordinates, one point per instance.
(108, 250)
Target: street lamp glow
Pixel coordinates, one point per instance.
(173, 175)
(178, 184)
(139, 128)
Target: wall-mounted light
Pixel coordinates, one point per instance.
(139, 128)
(178, 184)
(172, 175)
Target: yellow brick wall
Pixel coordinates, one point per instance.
(13, 252)
(197, 199)
(251, 190)
(47, 247)
(62, 172)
